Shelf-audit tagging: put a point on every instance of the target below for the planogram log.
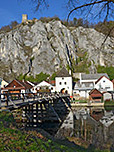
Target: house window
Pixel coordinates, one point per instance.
(51, 88)
(60, 83)
(103, 80)
(65, 83)
(107, 87)
(62, 78)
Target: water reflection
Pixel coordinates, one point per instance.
(95, 126)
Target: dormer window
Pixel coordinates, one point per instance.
(103, 80)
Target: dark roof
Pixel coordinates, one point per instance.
(25, 84)
(93, 76)
(101, 78)
(63, 73)
(95, 92)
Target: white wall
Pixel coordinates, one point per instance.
(63, 82)
(3, 84)
(43, 84)
(107, 96)
(22, 91)
(104, 84)
(82, 93)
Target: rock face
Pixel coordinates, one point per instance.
(92, 41)
(49, 46)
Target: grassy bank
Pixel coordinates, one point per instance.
(79, 101)
(109, 103)
(12, 139)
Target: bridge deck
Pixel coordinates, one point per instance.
(18, 100)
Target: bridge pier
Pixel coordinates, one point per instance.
(47, 114)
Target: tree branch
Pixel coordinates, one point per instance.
(88, 4)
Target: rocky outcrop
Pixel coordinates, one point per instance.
(99, 47)
(50, 46)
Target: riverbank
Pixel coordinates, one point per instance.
(75, 104)
(16, 140)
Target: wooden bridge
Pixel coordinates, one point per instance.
(47, 111)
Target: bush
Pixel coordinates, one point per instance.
(108, 70)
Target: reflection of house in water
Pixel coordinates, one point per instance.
(107, 119)
(96, 114)
(96, 127)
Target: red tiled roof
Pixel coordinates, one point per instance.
(18, 85)
(93, 92)
(25, 84)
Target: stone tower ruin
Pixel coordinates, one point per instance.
(24, 18)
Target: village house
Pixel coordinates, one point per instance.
(86, 83)
(82, 90)
(17, 86)
(63, 82)
(43, 87)
(3, 83)
(95, 96)
(104, 84)
(113, 83)
(107, 96)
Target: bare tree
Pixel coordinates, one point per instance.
(100, 9)
(96, 8)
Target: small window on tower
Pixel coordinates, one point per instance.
(65, 83)
(60, 83)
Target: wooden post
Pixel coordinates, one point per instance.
(7, 99)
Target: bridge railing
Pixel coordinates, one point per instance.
(7, 98)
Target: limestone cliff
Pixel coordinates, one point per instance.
(99, 48)
(50, 46)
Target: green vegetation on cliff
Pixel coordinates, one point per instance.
(108, 70)
(38, 78)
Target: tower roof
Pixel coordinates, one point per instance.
(63, 73)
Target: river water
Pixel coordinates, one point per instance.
(95, 126)
(85, 126)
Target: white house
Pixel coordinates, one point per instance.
(82, 90)
(86, 83)
(3, 83)
(104, 84)
(43, 85)
(107, 96)
(91, 78)
(63, 81)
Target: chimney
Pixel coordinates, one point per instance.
(70, 72)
